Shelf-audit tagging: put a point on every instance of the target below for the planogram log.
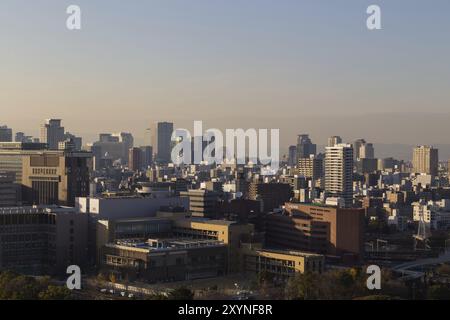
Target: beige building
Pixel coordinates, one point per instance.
(46, 176)
(425, 160)
(310, 168)
(230, 233)
(280, 263)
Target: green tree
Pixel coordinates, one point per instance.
(55, 293)
(438, 292)
(181, 293)
(304, 286)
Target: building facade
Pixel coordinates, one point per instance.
(339, 173)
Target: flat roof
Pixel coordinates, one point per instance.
(36, 209)
(212, 221)
(164, 244)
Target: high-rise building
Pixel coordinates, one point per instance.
(425, 160)
(292, 156)
(21, 137)
(356, 147)
(305, 148)
(161, 134)
(46, 176)
(334, 140)
(5, 134)
(52, 133)
(448, 169)
(77, 141)
(126, 138)
(109, 147)
(366, 151)
(147, 156)
(310, 167)
(135, 159)
(339, 172)
(8, 190)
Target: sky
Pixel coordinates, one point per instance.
(301, 66)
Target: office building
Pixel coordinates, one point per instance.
(230, 233)
(21, 137)
(161, 134)
(162, 260)
(366, 151)
(110, 207)
(5, 134)
(317, 228)
(425, 160)
(135, 159)
(52, 133)
(292, 157)
(77, 141)
(310, 168)
(271, 195)
(124, 137)
(203, 203)
(147, 156)
(109, 147)
(334, 140)
(305, 148)
(46, 176)
(339, 173)
(356, 147)
(281, 264)
(42, 239)
(9, 192)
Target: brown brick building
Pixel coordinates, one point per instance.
(315, 228)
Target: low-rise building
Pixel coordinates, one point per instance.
(162, 260)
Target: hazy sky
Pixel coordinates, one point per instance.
(301, 66)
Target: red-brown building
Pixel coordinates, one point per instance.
(316, 228)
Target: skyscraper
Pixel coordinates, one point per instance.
(305, 148)
(5, 134)
(147, 156)
(161, 134)
(366, 151)
(339, 172)
(356, 147)
(127, 140)
(292, 156)
(52, 133)
(425, 160)
(135, 159)
(334, 140)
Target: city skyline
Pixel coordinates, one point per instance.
(301, 67)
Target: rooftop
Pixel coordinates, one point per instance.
(37, 209)
(164, 244)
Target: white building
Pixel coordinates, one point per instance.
(127, 207)
(339, 172)
(435, 213)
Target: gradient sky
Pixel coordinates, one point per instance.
(301, 66)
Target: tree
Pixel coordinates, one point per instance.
(55, 293)
(18, 287)
(303, 287)
(438, 292)
(181, 293)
